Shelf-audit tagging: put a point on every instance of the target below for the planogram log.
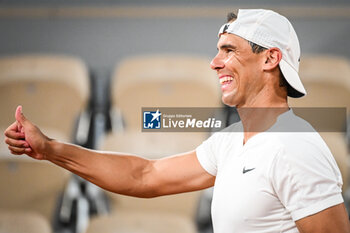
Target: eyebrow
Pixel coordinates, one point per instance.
(227, 46)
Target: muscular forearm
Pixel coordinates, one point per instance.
(119, 173)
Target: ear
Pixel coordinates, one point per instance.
(272, 58)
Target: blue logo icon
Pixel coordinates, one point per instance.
(151, 120)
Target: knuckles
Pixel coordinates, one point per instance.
(6, 133)
(16, 143)
(16, 149)
(7, 140)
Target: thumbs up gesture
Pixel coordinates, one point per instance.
(23, 137)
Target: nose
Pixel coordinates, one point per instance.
(217, 63)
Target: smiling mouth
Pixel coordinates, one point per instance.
(226, 80)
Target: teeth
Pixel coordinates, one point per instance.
(225, 79)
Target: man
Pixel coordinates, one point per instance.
(263, 182)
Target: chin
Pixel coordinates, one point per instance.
(230, 99)
(228, 102)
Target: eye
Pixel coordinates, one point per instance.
(229, 51)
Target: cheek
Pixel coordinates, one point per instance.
(229, 59)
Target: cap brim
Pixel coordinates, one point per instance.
(292, 77)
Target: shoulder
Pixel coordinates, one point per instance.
(301, 147)
(297, 135)
(302, 157)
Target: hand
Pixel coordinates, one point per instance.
(23, 137)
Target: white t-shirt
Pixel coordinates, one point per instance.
(274, 179)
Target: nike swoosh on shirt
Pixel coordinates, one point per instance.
(247, 170)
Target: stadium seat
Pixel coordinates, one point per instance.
(159, 81)
(30, 185)
(141, 222)
(162, 81)
(325, 88)
(20, 222)
(53, 90)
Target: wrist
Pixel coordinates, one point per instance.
(50, 146)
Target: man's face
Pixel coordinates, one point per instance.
(239, 71)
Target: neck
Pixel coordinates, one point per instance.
(260, 116)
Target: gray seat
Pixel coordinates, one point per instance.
(158, 81)
(23, 222)
(53, 90)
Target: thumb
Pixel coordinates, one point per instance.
(20, 118)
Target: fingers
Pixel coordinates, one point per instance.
(11, 132)
(19, 151)
(17, 147)
(15, 140)
(16, 143)
(15, 137)
(12, 127)
(20, 118)
(15, 153)
(18, 113)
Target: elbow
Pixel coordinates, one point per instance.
(143, 183)
(150, 185)
(150, 188)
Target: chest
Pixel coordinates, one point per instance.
(243, 192)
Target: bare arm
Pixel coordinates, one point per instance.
(132, 175)
(332, 220)
(119, 173)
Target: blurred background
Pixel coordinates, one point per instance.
(82, 71)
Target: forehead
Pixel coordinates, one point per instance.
(231, 39)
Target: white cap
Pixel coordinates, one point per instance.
(270, 29)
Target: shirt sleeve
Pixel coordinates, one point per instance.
(306, 181)
(206, 155)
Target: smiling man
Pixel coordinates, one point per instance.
(270, 178)
(265, 178)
